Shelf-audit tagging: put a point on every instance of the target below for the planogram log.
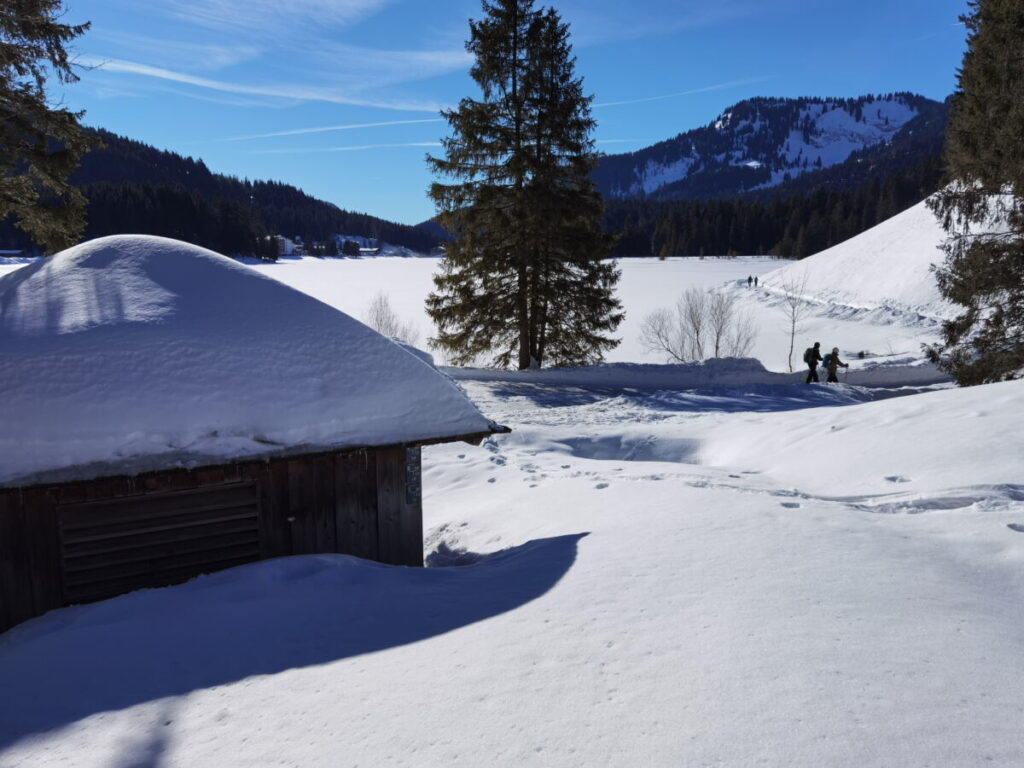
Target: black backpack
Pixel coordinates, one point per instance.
(808, 355)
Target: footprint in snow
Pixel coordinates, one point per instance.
(492, 479)
(599, 486)
(1015, 527)
(790, 505)
(897, 479)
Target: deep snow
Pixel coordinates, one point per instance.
(685, 578)
(700, 565)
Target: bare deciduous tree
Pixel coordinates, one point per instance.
(796, 309)
(382, 317)
(703, 325)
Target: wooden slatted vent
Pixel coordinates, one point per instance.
(117, 545)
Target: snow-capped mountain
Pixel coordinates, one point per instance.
(761, 143)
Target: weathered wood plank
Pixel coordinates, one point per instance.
(16, 602)
(90, 592)
(145, 552)
(412, 512)
(311, 504)
(155, 505)
(355, 503)
(199, 561)
(275, 530)
(301, 506)
(146, 524)
(390, 505)
(112, 545)
(42, 544)
(326, 528)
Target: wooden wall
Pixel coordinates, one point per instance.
(76, 542)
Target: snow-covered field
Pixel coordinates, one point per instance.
(873, 293)
(660, 566)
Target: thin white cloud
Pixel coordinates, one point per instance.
(272, 17)
(691, 92)
(330, 128)
(352, 148)
(359, 66)
(296, 91)
(188, 55)
(595, 22)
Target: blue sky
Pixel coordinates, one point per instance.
(340, 97)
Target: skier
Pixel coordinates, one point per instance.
(812, 356)
(750, 281)
(833, 363)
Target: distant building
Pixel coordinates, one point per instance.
(285, 246)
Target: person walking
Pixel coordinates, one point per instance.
(750, 281)
(755, 281)
(833, 365)
(812, 356)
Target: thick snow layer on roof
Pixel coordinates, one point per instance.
(889, 265)
(130, 348)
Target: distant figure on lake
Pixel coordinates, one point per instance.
(812, 356)
(750, 281)
(755, 281)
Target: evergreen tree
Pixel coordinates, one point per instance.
(39, 144)
(523, 280)
(984, 271)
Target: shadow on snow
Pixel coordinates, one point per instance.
(258, 619)
(757, 398)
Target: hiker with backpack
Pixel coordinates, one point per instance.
(812, 356)
(832, 363)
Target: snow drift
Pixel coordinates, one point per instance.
(887, 266)
(135, 346)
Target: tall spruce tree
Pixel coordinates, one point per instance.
(40, 143)
(526, 278)
(983, 207)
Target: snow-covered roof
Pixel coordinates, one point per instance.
(133, 352)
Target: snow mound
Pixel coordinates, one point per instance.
(886, 267)
(715, 372)
(131, 347)
(916, 445)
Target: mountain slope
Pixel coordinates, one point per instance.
(761, 143)
(889, 265)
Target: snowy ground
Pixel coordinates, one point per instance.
(774, 575)
(712, 566)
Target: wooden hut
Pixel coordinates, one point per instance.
(168, 413)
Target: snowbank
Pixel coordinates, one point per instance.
(716, 372)
(142, 351)
(909, 445)
(888, 266)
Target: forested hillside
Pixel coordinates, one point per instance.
(135, 188)
(792, 225)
